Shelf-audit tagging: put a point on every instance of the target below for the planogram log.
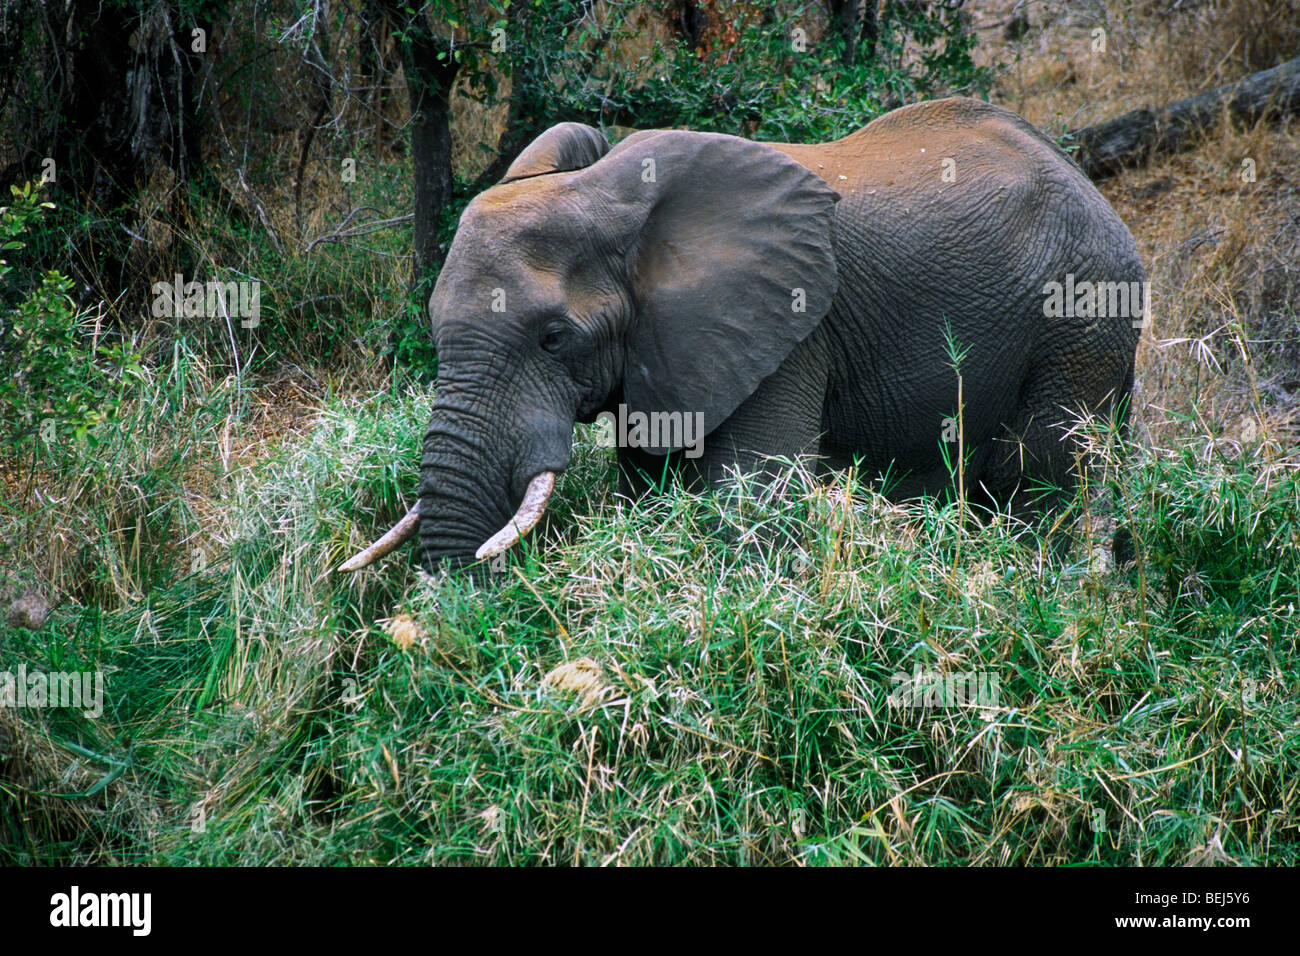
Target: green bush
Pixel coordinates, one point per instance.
(61, 381)
(768, 83)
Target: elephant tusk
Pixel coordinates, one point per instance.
(530, 512)
(396, 535)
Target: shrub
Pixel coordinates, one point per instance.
(60, 384)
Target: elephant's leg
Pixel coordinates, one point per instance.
(1028, 467)
(640, 473)
(1029, 471)
(1035, 461)
(783, 419)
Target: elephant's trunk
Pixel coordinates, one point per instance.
(530, 512)
(487, 472)
(526, 518)
(491, 455)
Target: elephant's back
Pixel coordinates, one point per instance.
(911, 144)
(988, 167)
(953, 217)
(971, 192)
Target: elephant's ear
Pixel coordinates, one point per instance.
(563, 147)
(729, 247)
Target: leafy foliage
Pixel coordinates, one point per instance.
(771, 78)
(59, 385)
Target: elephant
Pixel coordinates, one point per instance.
(790, 300)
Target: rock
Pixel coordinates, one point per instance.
(30, 610)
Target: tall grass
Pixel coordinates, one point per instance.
(699, 679)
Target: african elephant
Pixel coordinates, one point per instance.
(788, 299)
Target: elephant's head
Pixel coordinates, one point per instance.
(673, 272)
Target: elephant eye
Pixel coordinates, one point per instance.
(554, 336)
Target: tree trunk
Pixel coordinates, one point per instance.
(430, 71)
(844, 21)
(1132, 139)
(316, 59)
(691, 22)
(871, 26)
(376, 64)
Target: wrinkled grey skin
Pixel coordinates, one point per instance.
(663, 274)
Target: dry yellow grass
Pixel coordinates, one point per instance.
(1221, 356)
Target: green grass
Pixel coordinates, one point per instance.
(699, 679)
